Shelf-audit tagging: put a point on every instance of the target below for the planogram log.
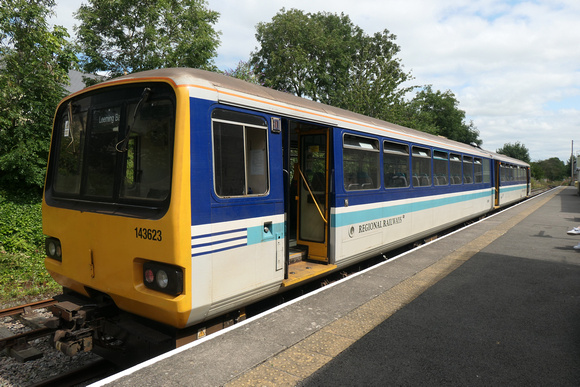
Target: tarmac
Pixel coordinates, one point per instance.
(497, 302)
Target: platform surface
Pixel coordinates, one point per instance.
(495, 303)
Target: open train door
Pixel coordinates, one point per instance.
(313, 187)
(528, 181)
(497, 179)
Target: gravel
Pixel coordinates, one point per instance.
(53, 363)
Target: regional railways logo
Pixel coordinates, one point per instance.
(351, 231)
(375, 225)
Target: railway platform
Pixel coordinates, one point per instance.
(494, 303)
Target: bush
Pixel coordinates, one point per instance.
(23, 277)
(21, 224)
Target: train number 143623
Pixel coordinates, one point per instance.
(148, 234)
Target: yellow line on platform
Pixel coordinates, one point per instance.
(301, 360)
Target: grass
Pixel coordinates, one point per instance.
(24, 279)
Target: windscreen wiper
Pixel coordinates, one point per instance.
(144, 98)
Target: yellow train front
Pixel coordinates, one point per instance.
(129, 160)
(178, 195)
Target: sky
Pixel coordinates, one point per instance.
(513, 65)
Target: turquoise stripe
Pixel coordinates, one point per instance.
(257, 235)
(340, 220)
(510, 188)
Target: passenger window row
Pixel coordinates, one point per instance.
(407, 165)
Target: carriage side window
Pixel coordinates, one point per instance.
(396, 165)
(455, 166)
(361, 163)
(477, 170)
(240, 154)
(421, 167)
(440, 168)
(467, 170)
(486, 171)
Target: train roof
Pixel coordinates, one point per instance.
(237, 92)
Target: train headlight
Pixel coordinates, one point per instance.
(163, 278)
(53, 249)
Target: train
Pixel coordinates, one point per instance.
(179, 195)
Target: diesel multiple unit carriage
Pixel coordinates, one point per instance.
(180, 195)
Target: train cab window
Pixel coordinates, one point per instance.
(477, 170)
(361, 163)
(240, 154)
(421, 164)
(147, 167)
(114, 150)
(455, 168)
(467, 170)
(440, 168)
(396, 165)
(71, 129)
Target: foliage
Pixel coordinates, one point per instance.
(552, 169)
(328, 59)
(438, 113)
(244, 71)
(34, 64)
(537, 171)
(517, 151)
(23, 278)
(20, 224)
(125, 36)
(22, 272)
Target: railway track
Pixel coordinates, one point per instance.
(28, 358)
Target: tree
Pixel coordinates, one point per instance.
(552, 169)
(537, 171)
(517, 151)
(243, 71)
(125, 36)
(438, 113)
(328, 59)
(34, 64)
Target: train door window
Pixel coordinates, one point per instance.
(467, 170)
(486, 165)
(455, 167)
(477, 170)
(503, 172)
(361, 163)
(440, 168)
(421, 165)
(396, 165)
(240, 154)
